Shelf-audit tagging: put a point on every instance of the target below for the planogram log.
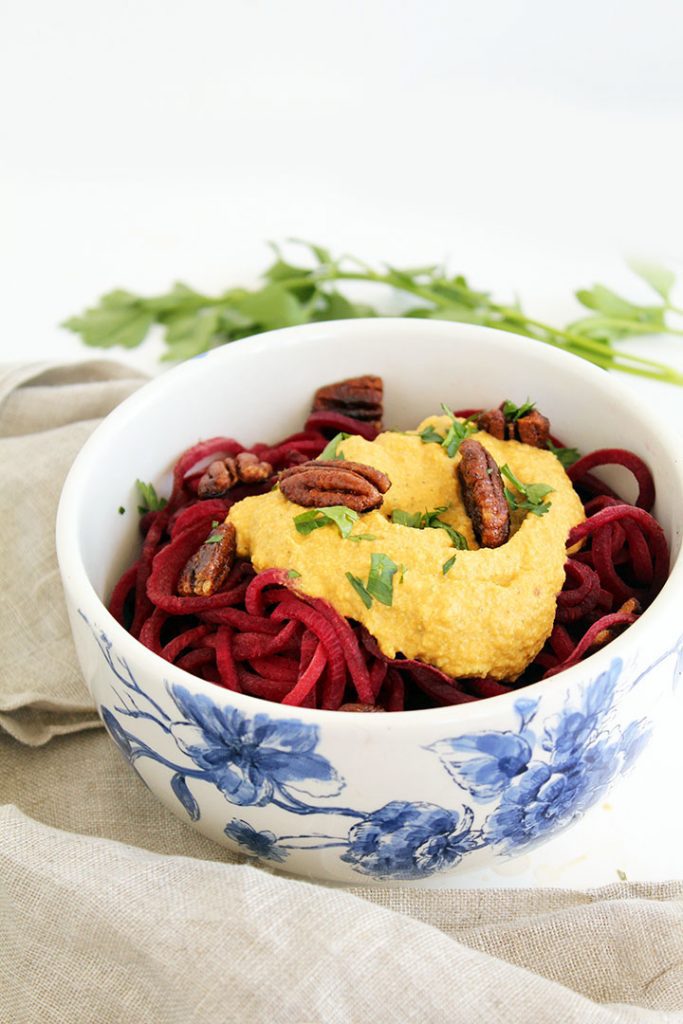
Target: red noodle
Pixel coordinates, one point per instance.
(261, 636)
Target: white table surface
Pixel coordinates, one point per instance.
(531, 145)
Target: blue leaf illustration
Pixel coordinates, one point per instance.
(181, 790)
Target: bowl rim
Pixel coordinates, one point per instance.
(75, 577)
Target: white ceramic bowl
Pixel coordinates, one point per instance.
(361, 798)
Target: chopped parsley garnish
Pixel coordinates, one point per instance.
(215, 537)
(381, 578)
(380, 583)
(342, 517)
(151, 502)
(532, 494)
(293, 574)
(567, 456)
(457, 432)
(121, 510)
(360, 589)
(513, 412)
(362, 536)
(330, 450)
(447, 566)
(430, 520)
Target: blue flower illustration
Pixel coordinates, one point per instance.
(545, 781)
(488, 761)
(410, 840)
(263, 845)
(251, 759)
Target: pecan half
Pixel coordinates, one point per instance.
(361, 398)
(532, 429)
(250, 469)
(222, 474)
(206, 571)
(483, 495)
(319, 484)
(363, 708)
(493, 422)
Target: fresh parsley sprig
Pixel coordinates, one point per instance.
(331, 449)
(430, 520)
(296, 293)
(458, 431)
(150, 500)
(567, 456)
(532, 494)
(339, 515)
(380, 583)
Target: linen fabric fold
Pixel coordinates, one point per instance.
(46, 414)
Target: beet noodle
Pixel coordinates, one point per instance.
(261, 636)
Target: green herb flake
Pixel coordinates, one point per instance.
(447, 566)
(360, 589)
(121, 510)
(381, 578)
(150, 500)
(622, 875)
(430, 520)
(330, 451)
(515, 412)
(533, 494)
(567, 456)
(293, 574)
(362, 536)
(458, 432)
(342, 517)
(431, 436)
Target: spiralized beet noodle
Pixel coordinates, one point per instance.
(261, 636)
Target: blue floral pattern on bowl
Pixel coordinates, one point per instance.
(522, 784)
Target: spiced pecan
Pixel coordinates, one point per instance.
(361, 398)
(207, 569)
(222, 474)
(363, 708)
(532, 429)
(483, 495)
(321, 483)
(219, 477)
(250, 469)
(493, 422)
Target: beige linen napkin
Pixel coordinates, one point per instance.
(172, 928)
(46, 413)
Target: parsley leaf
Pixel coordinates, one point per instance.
(429, 520)
(380, 583)
(215, 537)
(567, 456)
(360, 589)
(293, 574)
(447, 566)
(343, 518)
(362, 536)
(330, 449)
(431, 436)
(308, 290)
(151, 502)
(381, 578)
(121, 510)
(533, 494)
(515, 412)
(457, 432)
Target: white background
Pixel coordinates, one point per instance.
(531, 143)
